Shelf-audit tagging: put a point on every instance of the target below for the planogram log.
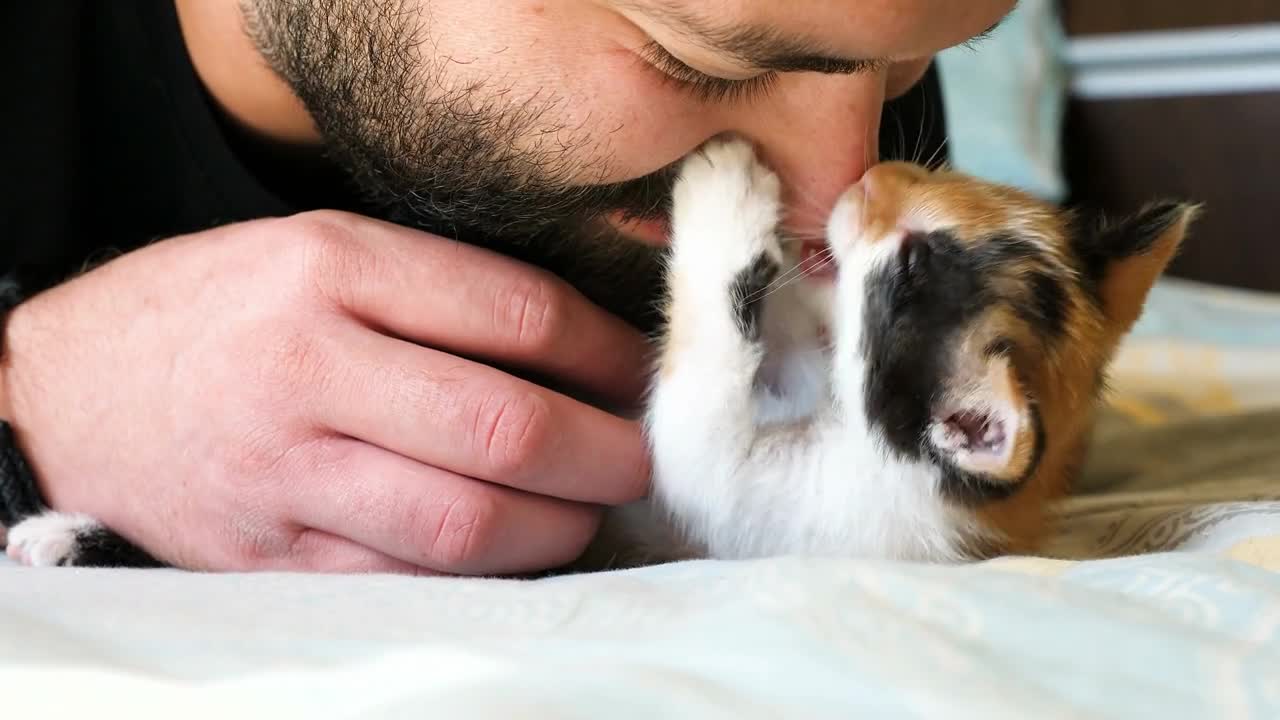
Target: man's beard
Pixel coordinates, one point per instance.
(458, 162)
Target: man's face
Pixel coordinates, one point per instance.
(512, 116)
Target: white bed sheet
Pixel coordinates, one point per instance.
(1160, 598)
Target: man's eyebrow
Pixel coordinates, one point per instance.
(761, 47)
(757, 47)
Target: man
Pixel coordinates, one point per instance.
(300, 309)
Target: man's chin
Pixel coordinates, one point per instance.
(655, 232)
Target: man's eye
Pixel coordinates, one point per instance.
(706, 87)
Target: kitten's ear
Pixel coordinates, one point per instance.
(988, 426)
(1125, 259)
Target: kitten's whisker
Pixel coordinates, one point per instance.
(902, 137)
(866, 149)
(822, 264)
(794, 273)
(774, 287)
(941, 147)
(826, 257)
(781, 278)
(862, 206)
(925, 112)
(915, 155)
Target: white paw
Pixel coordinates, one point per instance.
(47, 540)
(731, 164)
(726, 206)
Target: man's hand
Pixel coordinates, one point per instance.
(308, 393)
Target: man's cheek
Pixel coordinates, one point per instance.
(639, 125)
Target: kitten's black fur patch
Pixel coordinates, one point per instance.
(747, 294)
(1046, 306)
(1001, 250)
(102, 548)
(1047, 311)
(911, 315)
(971, 489)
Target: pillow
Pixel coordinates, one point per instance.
(1004, 100)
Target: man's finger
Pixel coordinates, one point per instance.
(476, 303)
(434, 519)
(479, 422)
(317, 551)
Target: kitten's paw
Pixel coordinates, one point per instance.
(49, 539)
(730, 166)
(727, 206)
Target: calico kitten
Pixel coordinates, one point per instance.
(918, 387)
(924, 395)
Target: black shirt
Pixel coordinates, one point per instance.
(110, 141)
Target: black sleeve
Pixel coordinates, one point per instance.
(111, 141)
(41, 137)
(914, 126)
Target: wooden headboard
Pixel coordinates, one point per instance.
(1182, 98)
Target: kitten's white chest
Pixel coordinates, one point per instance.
(794, 379)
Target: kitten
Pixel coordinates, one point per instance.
(918, 387)
(923, 396)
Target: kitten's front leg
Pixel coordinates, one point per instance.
(702, 414)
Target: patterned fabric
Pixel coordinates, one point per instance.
(1160, 598)
(1186, 458)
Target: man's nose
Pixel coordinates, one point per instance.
(820, 137)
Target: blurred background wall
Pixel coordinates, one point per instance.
(1115, 102)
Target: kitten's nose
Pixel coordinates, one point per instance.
(872, 189)
(866, 186)
(870, 209)
(884, 180)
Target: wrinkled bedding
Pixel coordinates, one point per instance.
(1159, 597)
